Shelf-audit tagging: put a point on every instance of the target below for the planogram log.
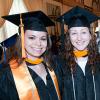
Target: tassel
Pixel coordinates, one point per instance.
(22, 37)
(73, 84)
(4, 49)
(94, 85)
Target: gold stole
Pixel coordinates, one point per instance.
(25, 85)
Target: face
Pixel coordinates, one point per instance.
(35, 43)
(79, 37)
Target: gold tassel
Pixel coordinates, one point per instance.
(22, 37)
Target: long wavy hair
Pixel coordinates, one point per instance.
(92, 52)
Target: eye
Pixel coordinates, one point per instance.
(73, 33)
(31, 37)
(84, 32)
(44, 38)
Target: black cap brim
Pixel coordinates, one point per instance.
(75, 12)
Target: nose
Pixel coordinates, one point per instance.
(79, 37)
(38, 42)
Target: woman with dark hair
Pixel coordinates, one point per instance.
(30, 74)
(82, 71)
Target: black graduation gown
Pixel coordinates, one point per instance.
(84, 87)
(8, 89)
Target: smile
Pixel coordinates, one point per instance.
(37, 49)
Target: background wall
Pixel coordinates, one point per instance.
(7, 29)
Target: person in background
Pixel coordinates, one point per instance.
(7, 43)
(29, 73)
(82, 70)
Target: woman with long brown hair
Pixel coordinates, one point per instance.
(82, 71)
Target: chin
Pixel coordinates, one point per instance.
(37, 55)
(81, 49)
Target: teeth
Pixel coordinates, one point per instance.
(37, 49)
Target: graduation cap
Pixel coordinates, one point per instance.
(8, 43)
(35, 20)
(77, 17)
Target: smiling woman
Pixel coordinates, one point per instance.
(82, 71)
(30, 74)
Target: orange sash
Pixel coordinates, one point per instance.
(24, 83)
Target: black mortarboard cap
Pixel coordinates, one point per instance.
(9, 41)
(78, 16)
(35, 20)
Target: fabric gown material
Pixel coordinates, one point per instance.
(84, 85)
(9, 91)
